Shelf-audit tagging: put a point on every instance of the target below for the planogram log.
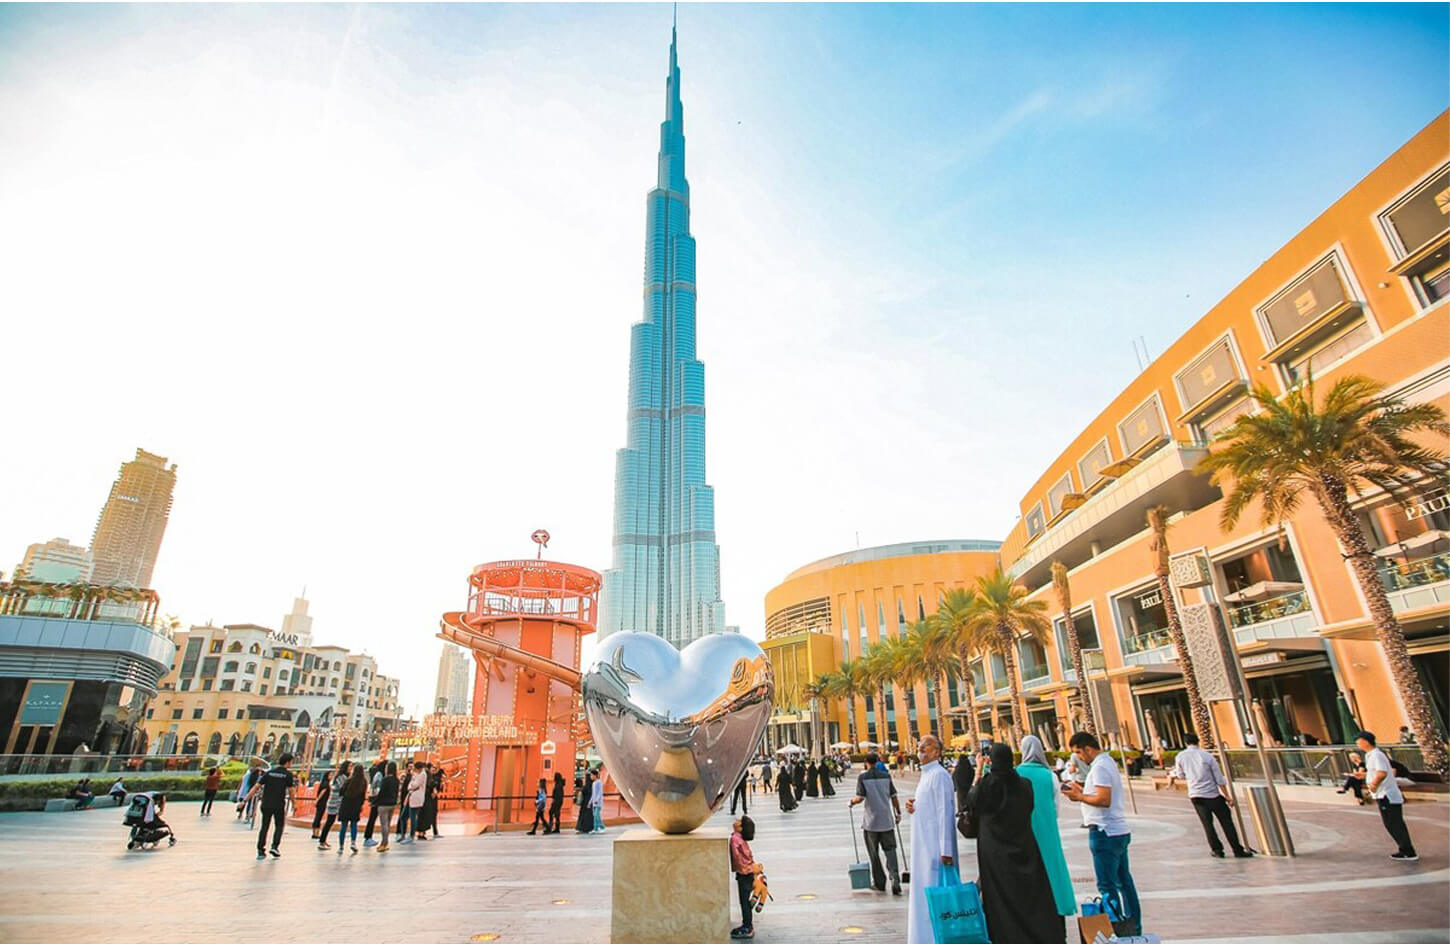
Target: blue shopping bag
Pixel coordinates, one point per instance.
(956, 910)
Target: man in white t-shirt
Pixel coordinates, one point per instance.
(1379, 778)
(1108, 832)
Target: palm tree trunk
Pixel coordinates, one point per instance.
(1074, 646)
(883, 726)
(851, 724)
(1334, 499)
(1014, 682)
(1202, 720)
(971, 685)
(944, 720)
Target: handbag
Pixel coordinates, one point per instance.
(967, 823)
(956, 910)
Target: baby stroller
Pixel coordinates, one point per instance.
(144, 818)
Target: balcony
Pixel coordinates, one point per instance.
(1153, 648)
(1273, 620)
(1417, 583)
(1118, 511)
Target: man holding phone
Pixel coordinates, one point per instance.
(1108, 834)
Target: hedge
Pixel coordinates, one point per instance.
(18, 795)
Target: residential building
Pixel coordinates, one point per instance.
(665, 577)
(244, 689)
(450, 697)
(133, 521)
(834, 609)
(55, 561)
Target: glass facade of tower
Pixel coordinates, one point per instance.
(666, 574)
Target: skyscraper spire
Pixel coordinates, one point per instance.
(666, 574)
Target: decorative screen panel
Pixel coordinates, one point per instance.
(1207, 374)
(1189, 571)
(1210, 649)
(1103, 706)
(1304, 302)
(1143, 426)
(1035, 522)
(1089, 468)
(1425, 215)
(1058, 492)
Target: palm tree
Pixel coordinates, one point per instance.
(815, 694)
(933, 646)
(1202, 720)
(1003, 613)
(954, 614)
(878, 666)
(847, 683)
(1358, 436)
(1064, 600)
(908, 668)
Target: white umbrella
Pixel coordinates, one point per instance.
(869, 744)
(840, 745)
(791, 749)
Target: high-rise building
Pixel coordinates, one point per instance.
(666, 574)
(55, 561)
(451, 695)
(128, 533)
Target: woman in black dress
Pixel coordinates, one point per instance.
(786, 790)
(585, 823)
(1016, 894)
(813, 780)
(826, 772)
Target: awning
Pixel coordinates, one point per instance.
(1263, 590)
(1415, 547)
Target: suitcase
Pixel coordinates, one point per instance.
(860, 872)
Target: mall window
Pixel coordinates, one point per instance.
(241, 714)
(246, 685)
(1143, 619)
(1036, 524)
(1031, 660)
(216, 646)
(900, 618)
(176, 714)
(1090, 467)
(255, 650)
(188, 662)
(1143, 430)
(228, 684)
(266, 671)
(1057, 495)
(206, 684)
(1417, 227)
(334, 683)
(230, 667)
(264, 689)
(150, 713)
(186, 685)
(1087, 635)
(196, 714)
(235, 647)
(1315, 320)
(1210, 381)
(1207, 429)
(221, 713)
(251, 668)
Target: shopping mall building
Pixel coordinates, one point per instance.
(1360, 290)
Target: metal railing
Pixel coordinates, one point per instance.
(1247, 614)
(1397, 575)
(1143, 642)
(33, 765)
(1313, 766)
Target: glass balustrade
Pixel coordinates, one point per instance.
(1261, 611)
(1400, 575)
(1143, 642)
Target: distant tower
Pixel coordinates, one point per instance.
(55, 561)
(133, 521)
(298, 623)
(665, 577)
(450, 697)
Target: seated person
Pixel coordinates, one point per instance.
(82, 794)
(118, 792)
(1354, 782)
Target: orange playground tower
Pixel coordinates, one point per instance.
(524, 624)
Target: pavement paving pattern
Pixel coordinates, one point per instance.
(68, 877)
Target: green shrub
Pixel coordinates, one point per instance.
(32, 794)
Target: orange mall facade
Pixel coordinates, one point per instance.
(1362, 289)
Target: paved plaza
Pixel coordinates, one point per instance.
(68, 877)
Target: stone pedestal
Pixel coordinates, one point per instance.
(671, 889)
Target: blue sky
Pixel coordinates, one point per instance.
(342, 256)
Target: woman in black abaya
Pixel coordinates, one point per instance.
(826, 789)
(1016, 894)
(585, 822)
(786, 789)
(813, 780)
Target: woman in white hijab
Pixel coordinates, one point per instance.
(1036, 770)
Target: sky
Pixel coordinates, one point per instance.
(366, 273)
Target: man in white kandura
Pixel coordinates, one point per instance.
(933, 836)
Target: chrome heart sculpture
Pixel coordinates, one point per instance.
(676, 729)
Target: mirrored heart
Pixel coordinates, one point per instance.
(676, 729)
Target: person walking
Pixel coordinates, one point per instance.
(386, 802)
(209, 787)
(276, 787)
(1381, 783)
(765, 772)
(813, 779)
(742, 863)
(334, 801)
(798, 779)
(933, 836)
(375, 781)
(596, 801)
(1108, 832)
(349, 811)
(1017, 897)
(1035, 770)
(739, 794)
(827, 790)
(585, 821)
(556, 804)
(432, 797)
(319, 803)
(876, 789)
(785, 790)
(964, 774)
(541, 803)
(1208, 792)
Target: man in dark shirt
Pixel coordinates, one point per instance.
(883, 812)
(277, 787)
